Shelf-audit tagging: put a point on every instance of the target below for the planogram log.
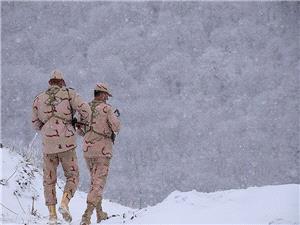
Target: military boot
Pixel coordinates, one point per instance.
(86, 217)
(64, 208)
(52, 215)
(101, 215)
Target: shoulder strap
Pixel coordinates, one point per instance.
(93, 106)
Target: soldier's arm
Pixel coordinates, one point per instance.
(113, 121)
(36, 123)
(81, 107)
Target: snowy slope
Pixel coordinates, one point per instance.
(16, 204)
(257, 205)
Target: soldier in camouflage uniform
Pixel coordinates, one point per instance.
(97, 149)
(52, 116)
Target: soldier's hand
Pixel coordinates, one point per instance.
(80, 132)
(78, 126)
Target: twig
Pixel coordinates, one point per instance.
(135, 213)
(30, 146)
(32, 208)
(5, 181)
(9, 209)
(20, 204)
(12, 173)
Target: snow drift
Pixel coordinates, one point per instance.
(22, 202)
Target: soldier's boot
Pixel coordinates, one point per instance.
(52, 215)
(101, 215)
(86, 217)
(64, 208)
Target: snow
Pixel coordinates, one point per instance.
(10, 161)
(256, 205)
(273, 204)
(206, 85)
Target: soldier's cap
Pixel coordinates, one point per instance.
(56, 75)
(103, 87)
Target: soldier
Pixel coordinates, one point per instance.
(97, 149)
(52, 114)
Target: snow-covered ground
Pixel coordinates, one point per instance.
(22, 202)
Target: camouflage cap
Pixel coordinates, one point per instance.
(57, 75)
(102, 87)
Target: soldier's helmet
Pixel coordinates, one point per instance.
(103, 87)
(56, 75)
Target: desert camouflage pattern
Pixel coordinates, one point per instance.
(51, 114)
(69, 164)
(97, 139)
(98, 168)
(97, 147)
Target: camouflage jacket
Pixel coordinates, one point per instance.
(97, 138)
(52, 115)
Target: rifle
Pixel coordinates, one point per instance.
(31, 144)
(75, 122)
(74, 119)
(113, 135)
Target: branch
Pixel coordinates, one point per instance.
(9, 209)
(20, 203)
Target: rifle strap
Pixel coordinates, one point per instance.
(93, 106)
(71, 108)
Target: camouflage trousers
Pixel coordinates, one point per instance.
(68, 160)
(98, 168)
